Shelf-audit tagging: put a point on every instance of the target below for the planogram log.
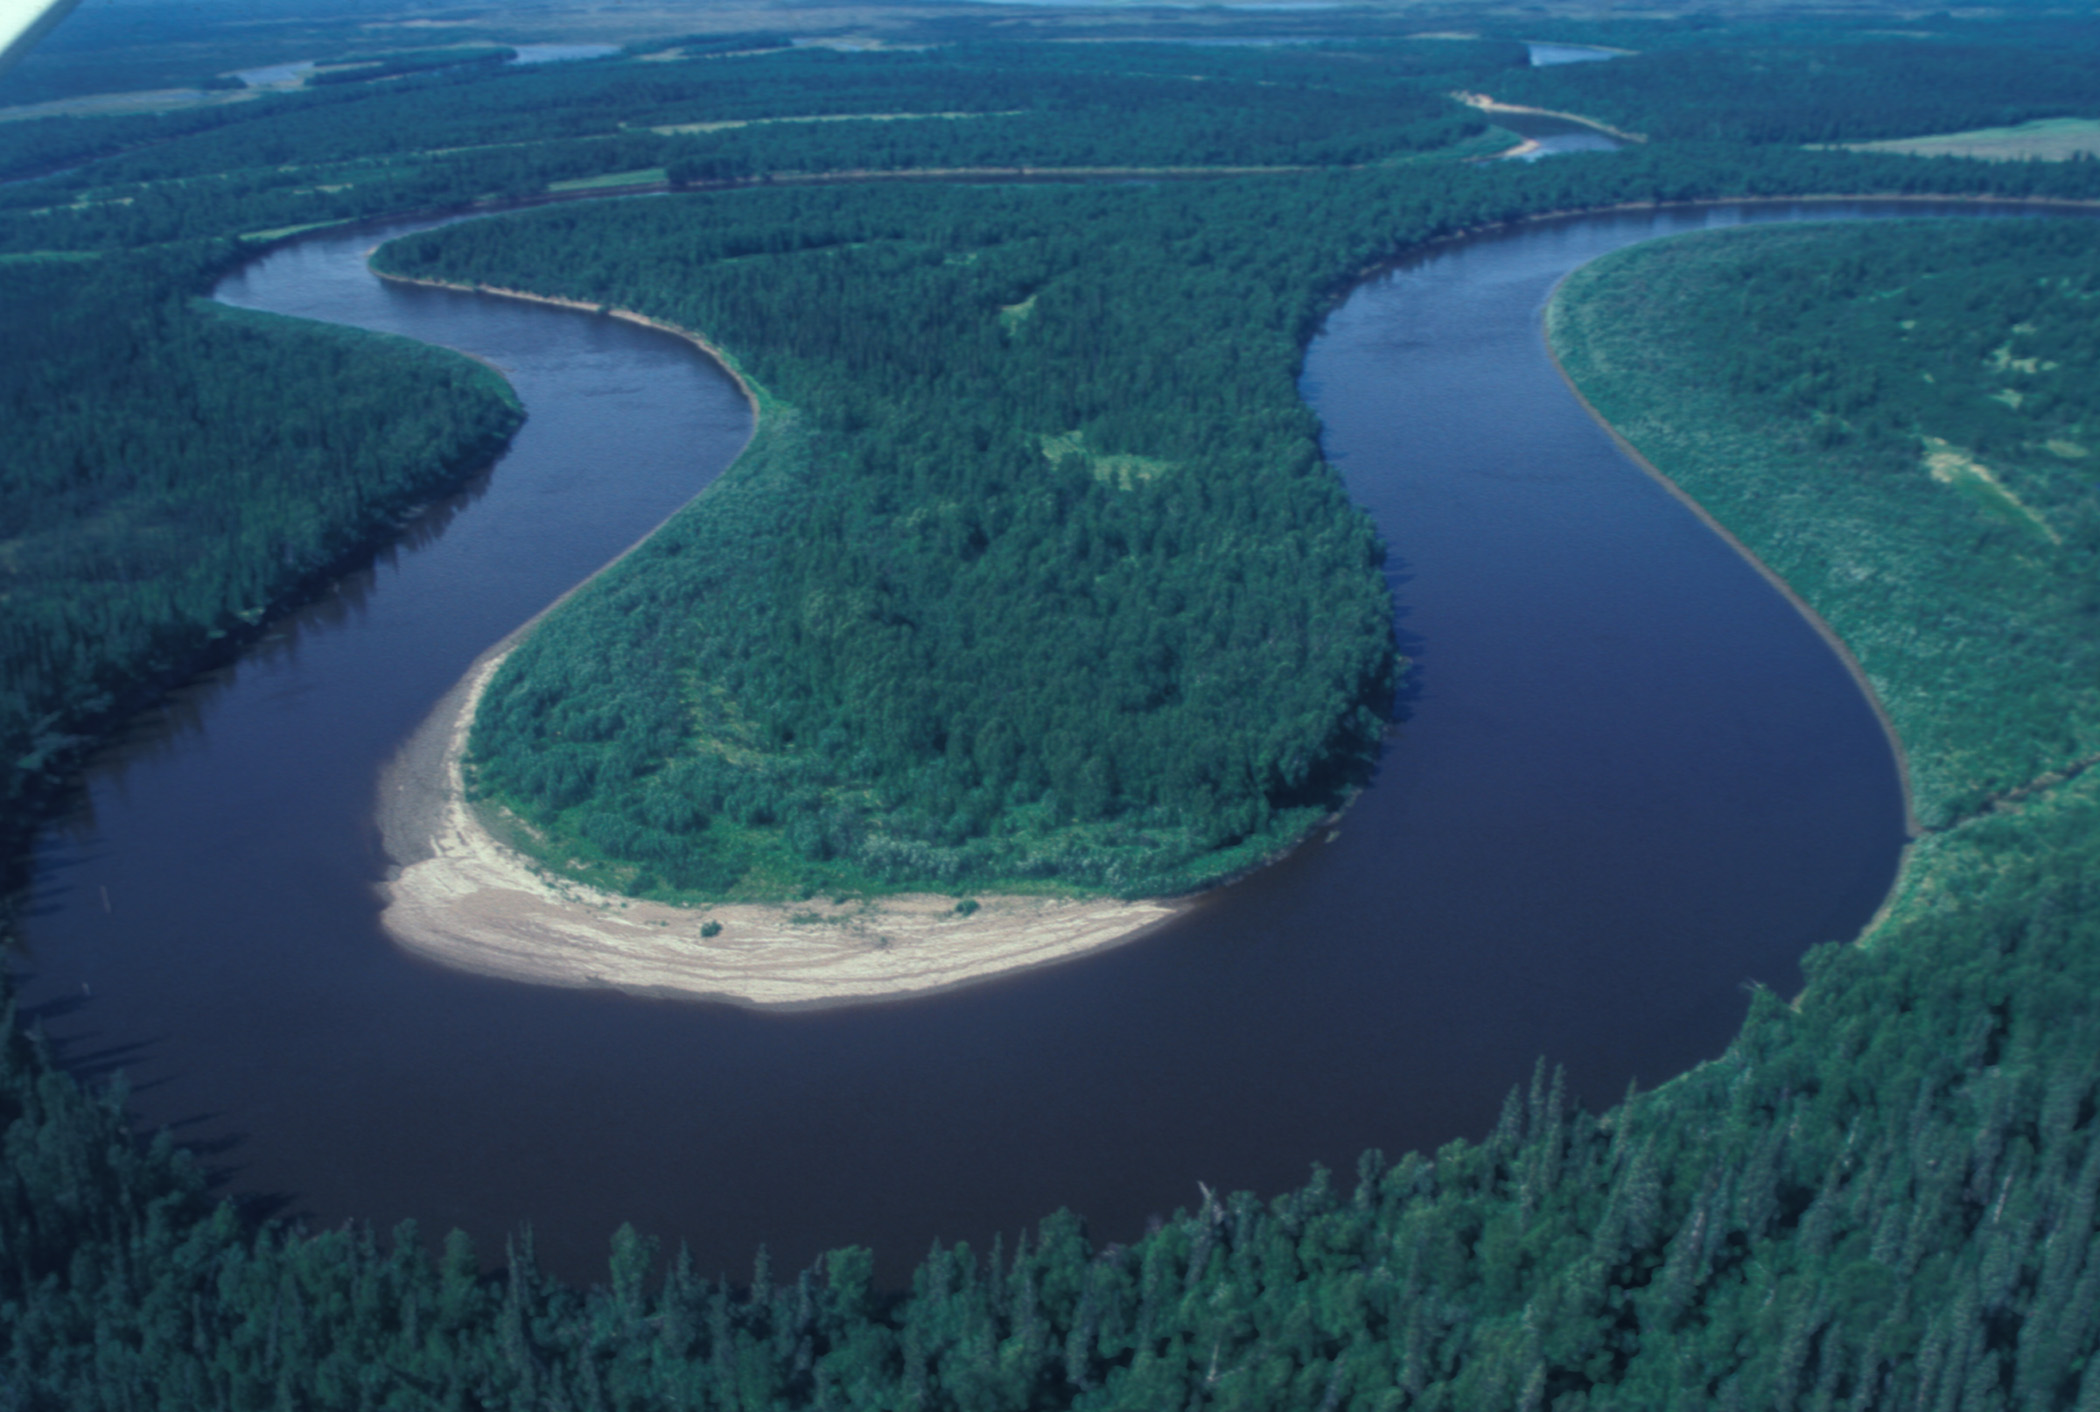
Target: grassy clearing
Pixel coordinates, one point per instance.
(646, 176)
(1013, 316)
(2047, 140)
(107, 105)
(1121, 471)
(1952, 466)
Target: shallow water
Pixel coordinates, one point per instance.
(1632, 782)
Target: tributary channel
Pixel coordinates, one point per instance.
(1631, 782)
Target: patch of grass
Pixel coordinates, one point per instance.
(676, 129)
(1013, 316)
(2046, 140)
(1950, 465)
(646, 176)
(1121, 471)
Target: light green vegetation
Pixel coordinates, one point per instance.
(2045, 140)
(646, 176)
(1013, 316)
(104, 105)
(1888, 415)
(1120, 470)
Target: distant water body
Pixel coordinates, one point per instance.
(1631, 783)
(561, 53)
(1547, 55)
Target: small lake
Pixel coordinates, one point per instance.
(1632, 782)
(1544, 55)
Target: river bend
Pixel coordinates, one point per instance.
(1631, 782)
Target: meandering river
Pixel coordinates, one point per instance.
(1632, 782)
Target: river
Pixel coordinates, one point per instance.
(1631, 781)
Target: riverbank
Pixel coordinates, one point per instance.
(1912, 825)
(464, 900)
(744, 385)
(1481, 102)
(1872, 518)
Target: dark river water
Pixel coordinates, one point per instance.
(1632, 782)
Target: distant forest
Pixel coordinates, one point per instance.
(177, 471)
(1815, 92)
(1883, 1196)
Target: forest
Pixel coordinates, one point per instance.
(1781, 93)
(815, 718)
(1033, 576)
(247, 461)
(1883, 1195)
(1926, 395)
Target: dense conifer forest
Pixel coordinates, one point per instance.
(815, 717)
(1795, 93)
(1033, 576)
(1883, 1195)
(177, 470)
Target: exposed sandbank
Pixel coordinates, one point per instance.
(461, 898)
(465, 900)
(1486, 104)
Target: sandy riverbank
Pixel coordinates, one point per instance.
(727, 363)
(463, 899)
(1483, 103)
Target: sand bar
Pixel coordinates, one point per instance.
(1487, 104)
(458, 896)
(461, 898)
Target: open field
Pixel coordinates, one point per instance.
(2048, 140)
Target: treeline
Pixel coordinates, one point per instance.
(1178, 101)
(1831, 92)
(1912, 414)
(1882, 1197)
(263, 202)
(175, 469)
(447, 141)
